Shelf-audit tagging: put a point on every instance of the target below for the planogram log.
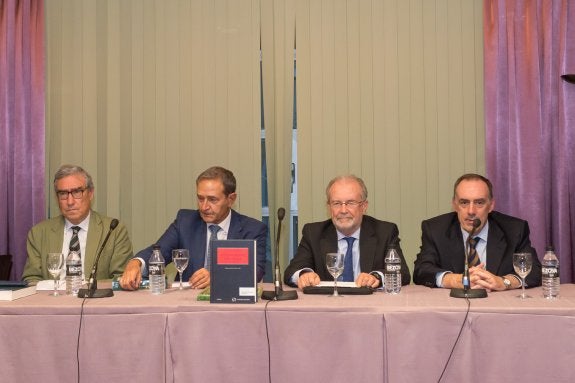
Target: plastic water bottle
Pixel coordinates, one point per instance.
(550, 274)
(392, 276)
(73, 273)
(157, 272)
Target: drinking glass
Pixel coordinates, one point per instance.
(522, 263)
(180, 258)
(54, 264)
(334, 263)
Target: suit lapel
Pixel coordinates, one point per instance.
(496, 245)
(95, 232)
(367, 247)
(456, 248)
(55, 240)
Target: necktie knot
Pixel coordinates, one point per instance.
(213, 236)
(214, 232)
(474, 241)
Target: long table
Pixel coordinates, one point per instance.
(135, 336)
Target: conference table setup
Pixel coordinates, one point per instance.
(174, 337)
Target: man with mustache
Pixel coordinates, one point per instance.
(369, 239)
(440, 262)
(216, 193)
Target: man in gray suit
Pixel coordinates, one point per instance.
(75, 190)
(369, 239)
(440, 263)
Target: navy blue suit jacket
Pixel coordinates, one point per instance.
(189, 231)
(442, 248)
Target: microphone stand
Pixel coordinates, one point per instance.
(278, 294)
(92, 291)
(466, 291)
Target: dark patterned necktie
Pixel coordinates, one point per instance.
(473, 256)
(75, 241)
(213, 236)
(348, 261)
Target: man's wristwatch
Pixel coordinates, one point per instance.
(506, 283)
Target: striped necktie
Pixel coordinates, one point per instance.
(75, 241)
(473, 259)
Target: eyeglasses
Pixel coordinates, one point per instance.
(76, 193)
(348, 204)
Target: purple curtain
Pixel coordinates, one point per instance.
(530, 118)
(22, 182)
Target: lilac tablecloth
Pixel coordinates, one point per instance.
(135, 336)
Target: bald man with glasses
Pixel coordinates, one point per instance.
(362, 238)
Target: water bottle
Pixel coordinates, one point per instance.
(157, 271)
(392, 276)
(550, 274)
(73, 273)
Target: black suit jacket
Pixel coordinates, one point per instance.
(320, 238)
(442, 248)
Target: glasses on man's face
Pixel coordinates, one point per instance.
(76, 193)
(349, 204)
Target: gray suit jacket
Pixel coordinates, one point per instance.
(320, 238)
(48, 235)
(442, 248)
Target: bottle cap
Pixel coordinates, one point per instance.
(549, 248)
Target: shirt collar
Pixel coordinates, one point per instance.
(225, 224)
(355, 234)
(83, 225)
(482, 234)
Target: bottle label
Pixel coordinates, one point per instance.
(392, 269)
(73, 270)
(550, 272)
(156, 269)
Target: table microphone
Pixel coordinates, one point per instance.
(92, 291)
(466, 292)
(278, 294)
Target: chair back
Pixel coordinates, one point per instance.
(5, 266)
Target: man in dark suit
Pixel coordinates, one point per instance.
(440, 262)
(369, 238)
(216, 193)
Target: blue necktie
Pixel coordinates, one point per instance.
(348, 261)
(473, 259)
(213, 236)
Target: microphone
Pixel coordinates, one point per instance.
(466, 292)
(278, 294)
(92, 291)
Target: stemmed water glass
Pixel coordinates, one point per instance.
(522, 263)
(334, 264)
(54, 264)
(180, 258)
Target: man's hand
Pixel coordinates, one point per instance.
(200, 279)
(308, 279)
(367, 280)
(132, 276)
(483, 279)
